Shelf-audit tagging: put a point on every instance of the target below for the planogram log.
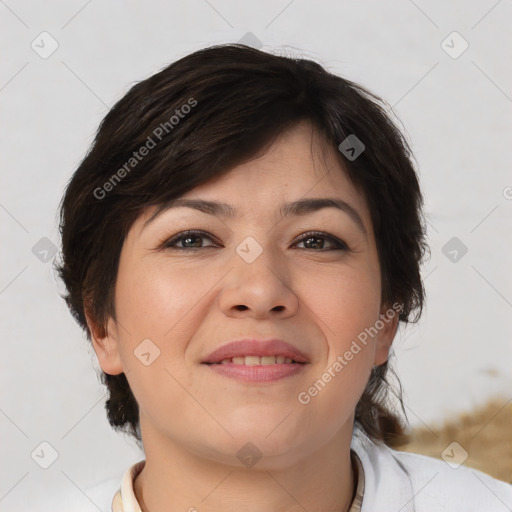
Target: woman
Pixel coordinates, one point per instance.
(240, 245)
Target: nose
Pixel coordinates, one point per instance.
(260, 289)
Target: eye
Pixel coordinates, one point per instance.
(315, 239)
(191, 240)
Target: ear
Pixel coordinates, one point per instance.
(384, 339)
(105, 343)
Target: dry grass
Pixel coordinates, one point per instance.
(485, 433)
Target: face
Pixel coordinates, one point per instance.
(310, 278)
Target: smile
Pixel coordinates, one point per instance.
(251, 368)
(256, 360)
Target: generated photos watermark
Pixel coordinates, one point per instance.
(151, 142)
(304, 397)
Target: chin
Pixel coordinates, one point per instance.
(249, 447)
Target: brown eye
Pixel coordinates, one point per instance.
(317, 240)
(190, 240)
(193, 240)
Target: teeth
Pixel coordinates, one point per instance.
(256, 360)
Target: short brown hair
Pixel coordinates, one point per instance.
(199, 117)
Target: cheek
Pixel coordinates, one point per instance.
(166, 306)
(346, 305)
(157, 304)
(154, 300)
(346, 300)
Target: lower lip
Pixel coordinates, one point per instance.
(258, 372)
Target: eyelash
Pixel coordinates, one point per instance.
(168, 244)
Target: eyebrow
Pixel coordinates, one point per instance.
(300, 207)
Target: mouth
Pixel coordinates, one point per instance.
(257, 361)
(256, 352)
(257, 373)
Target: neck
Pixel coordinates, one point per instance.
(175, 479)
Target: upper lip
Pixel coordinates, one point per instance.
(254, 347)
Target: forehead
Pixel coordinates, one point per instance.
(299, 165)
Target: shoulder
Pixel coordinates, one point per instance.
(453, 487)
(103, 493)
(412, 482)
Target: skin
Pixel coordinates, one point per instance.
(194, 421)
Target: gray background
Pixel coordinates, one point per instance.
(456, 111)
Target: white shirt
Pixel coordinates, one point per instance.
(393, 481)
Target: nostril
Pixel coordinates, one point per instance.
(278, 308)
(241, 307)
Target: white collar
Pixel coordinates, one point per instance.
(388, 486)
